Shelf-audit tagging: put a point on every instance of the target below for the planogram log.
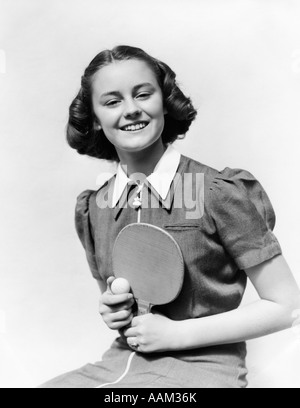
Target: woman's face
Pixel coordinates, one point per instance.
(128, 105)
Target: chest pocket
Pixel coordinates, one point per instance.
(189, 237)
(182, 227)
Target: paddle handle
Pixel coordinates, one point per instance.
(143, 307)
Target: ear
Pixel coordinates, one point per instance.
(97, 125)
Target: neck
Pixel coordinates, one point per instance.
(143, 162)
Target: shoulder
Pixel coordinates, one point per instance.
(234, 185)
(229, 185)
(238, 191)
(90, 198)
(192, 166)
(233, 179)
(215, 179)
(83, 201)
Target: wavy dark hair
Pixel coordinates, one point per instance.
(81, 132)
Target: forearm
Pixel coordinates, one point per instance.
(249, 322)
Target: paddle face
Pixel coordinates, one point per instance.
(151, 260)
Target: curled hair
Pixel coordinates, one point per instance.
(81, 132)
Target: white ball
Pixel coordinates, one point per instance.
(120, 286)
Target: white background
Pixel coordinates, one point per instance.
(239, 60)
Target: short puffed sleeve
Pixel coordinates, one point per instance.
(244, 218)
(84, 230)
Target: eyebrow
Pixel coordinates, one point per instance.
(136, 88)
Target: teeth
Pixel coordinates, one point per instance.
(133, 128)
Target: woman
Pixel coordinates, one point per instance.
(130, 110)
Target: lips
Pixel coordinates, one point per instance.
(133, 127)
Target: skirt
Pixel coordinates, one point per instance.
(215, 367)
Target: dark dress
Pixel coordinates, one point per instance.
(232, 233)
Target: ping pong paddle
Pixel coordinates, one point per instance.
(151, 260)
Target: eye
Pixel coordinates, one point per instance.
(144, 95)
(112, 103)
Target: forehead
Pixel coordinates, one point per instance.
(122, 75)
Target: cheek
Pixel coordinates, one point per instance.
(156, 109)
(108, 118)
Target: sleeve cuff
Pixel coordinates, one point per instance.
(258, 256)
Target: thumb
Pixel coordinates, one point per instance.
(109, 283)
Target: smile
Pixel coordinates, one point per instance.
(135, 127)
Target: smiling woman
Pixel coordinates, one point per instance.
(122, 88)
(130, 109)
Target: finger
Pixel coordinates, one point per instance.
(127, 305)
(130, 332)
(113, 300)
(120, 325)
(137, 320)
(107, 299)
(121, 316)
(131, 341)
(122, 306)
(104, 309)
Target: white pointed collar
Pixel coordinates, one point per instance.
(161, 178)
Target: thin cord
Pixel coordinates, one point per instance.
(140, 199)
(138, 203)
(139, 215)
(123, 375)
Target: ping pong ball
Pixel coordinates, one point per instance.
(120, 286)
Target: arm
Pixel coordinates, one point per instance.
(279, 295)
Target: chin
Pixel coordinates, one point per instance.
(137, 146)
(134, 149)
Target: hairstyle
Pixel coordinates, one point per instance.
(81, 132)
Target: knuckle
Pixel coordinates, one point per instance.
(103, 302)
(104, 310)
(101, 310)
(110, 324)
(104, 296)
(127, 322)
(126, 314)
(105, 319)
(127, 306)
(142, 342)
(140, 332)
(107, 302)
(131, 302)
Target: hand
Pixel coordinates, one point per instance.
(116, 310)
(153, 333)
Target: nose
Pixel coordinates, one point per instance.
(131, 110)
